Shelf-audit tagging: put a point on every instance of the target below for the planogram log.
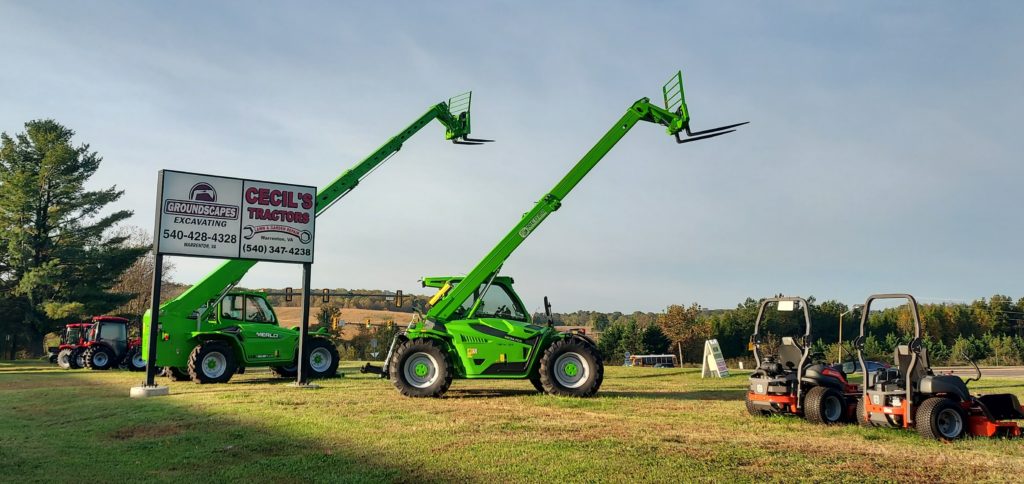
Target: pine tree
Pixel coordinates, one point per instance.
(57, 260)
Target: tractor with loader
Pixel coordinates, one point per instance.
(792, 380)
(912, 396)
(477, 327)
(212, 331)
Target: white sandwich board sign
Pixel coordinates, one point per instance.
(714, 362)
(233, 218)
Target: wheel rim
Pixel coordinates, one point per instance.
(63, 360)
(833, 409)
(320, 360)
(80, 361)
(100, 358)
(571, 370)
(949, 423)
(138, 361)
(420, 370)
(214, 364)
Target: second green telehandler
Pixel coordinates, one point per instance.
(477, 326)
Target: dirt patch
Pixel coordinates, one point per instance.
(149, 431)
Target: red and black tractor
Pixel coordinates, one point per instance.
(68, 355)
(107, 346)
(793, 381)
(938, 406)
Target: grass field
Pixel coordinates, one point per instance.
(646, 425)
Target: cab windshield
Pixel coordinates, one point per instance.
(496, 303)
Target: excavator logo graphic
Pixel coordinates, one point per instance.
(202, 192)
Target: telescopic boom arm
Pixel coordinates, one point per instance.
(674, 116)
(454, 115)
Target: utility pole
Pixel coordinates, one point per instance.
(852, 309)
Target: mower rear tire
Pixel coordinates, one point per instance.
(212, 362)
(571, 368)
(825, 406)
(98, 358)
(176, 374)
(65, 358)
(940, 418)
(420, 368)
(134, 360)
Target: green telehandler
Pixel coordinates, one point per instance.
(477, 326)
(212, 331)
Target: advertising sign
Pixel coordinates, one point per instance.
(714, 361)
(231, 218)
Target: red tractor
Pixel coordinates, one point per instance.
(792, 380)
(68, 355)
(107, 346)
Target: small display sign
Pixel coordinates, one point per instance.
(233, 218)
(714, 361)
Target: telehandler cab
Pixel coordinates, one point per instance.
(477, 327)
(210, 332)
(793, 380)
(938, 406)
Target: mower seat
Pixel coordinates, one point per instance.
(1002, 406)
(902, 359)
(790, 353)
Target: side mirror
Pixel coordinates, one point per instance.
(547, 308)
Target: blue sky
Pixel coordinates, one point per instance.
(883, 152)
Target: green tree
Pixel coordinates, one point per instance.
(686, 329)
(57, 260)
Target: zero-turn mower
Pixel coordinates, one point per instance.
(937, 406)
(794, 381)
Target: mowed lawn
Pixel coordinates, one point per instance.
(658, 425)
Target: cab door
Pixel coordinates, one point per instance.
(497, 339)
(263, 340)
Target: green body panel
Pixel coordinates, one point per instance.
(190, 316)
(451, 315)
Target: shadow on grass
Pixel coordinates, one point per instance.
(720, 395)
(489, 393)
(58, 427)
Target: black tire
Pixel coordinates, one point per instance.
(134, 360)
(285, 371)
(420, 368)
(323, 359)
(571, 368)
(240, 370)
(940, 419)
(65, 358)
(824, 405)
(77, 358)
(98, 358)
(212, 362)
(176, 374)
(535, 381)
(753, 409)
(863, 419)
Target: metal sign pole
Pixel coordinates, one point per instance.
(302, 377)
(154, 320)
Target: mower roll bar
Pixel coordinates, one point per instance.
(756, 338)
(915, 348)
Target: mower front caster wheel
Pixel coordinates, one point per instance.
(420, 368)
(571, 368)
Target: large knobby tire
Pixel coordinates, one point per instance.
(77, 358)
(824, 405)
(176, 374)
(98, 358)
(420, 368)
(940, 419)
(535, 381)
(134, 360)
(212, 362)
(65, 358)
(571, 368)
(323, 359)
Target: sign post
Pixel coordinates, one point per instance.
(714, 361)
(201, 215)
